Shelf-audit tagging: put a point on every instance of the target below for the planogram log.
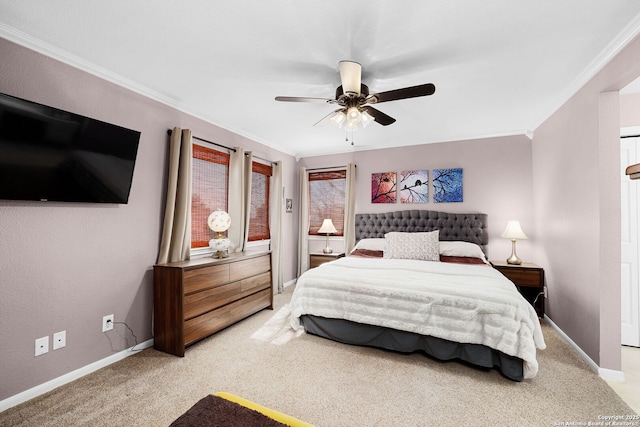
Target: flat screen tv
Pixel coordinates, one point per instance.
(47, 154)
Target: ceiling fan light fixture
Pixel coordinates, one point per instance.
(354, 115)
(351, 126)
(339, 118)
(366, 119)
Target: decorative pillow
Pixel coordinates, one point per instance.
(462, 249)
(422, 246)
(376, 244)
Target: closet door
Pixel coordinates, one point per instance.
(630, 295)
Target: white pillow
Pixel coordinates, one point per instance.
(374, 244)
(421, 246)
(457, 248)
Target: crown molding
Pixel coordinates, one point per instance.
(624, 37)
(54, 52)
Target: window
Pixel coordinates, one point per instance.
(327, 192)
(209, 189)
(259, 219)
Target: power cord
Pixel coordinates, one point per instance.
(132, 334)
(538, 296)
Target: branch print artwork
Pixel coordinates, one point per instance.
(414, 186)
(447, 185)
(383, 187)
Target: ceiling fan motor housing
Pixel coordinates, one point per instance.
(364, 92)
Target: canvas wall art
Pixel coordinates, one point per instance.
(414, 186)
(447, 185)
(383, 187)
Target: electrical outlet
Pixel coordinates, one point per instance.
(107, 323)
(546, 293)
(59, 339)
(42, 345)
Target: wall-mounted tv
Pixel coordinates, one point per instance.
(47, 154)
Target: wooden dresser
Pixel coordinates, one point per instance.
(196, 298)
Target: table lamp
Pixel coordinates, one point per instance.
(327, 228)
(219, 221)
(513, 232)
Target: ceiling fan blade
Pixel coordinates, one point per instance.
(379, 116)
(304, 99)
(407, 92)
(328, 117)
(350, 75)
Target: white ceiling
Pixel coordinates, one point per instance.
(500, 66)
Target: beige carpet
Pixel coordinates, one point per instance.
(324, 383)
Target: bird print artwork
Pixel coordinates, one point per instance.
(414, 186)
(383, 187)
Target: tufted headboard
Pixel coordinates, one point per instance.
(467, 227)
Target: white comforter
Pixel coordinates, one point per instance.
(458, 302)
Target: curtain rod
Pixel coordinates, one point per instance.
(630, 136)
(328, 167)
(169, 132)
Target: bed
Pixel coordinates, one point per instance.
(419, 280)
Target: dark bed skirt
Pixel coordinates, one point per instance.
(348, 332)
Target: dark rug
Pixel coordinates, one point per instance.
(214, 411)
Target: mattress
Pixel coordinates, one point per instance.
(457, 303)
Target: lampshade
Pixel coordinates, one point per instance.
(366, 119)
(353, 115)
(513, 231)
(327, 227)
(339, 118)
(219, 221)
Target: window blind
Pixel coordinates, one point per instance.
(210, 183)
(259, 216)
(327, 191)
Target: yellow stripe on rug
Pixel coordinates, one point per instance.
(275, 415)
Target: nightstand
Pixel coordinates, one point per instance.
(318, 258)
(529, 278)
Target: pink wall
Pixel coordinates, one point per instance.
(63, 265)
(496, 178)
(630, 110)
(577, 209)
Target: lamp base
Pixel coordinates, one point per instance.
(327, 249)
(513, 259)
(220, 247)
(221, 254)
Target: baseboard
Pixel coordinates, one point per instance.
(71, 376)
(607, 374)
(289, 283)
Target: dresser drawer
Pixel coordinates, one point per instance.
(250, 267)
(203, 278)
(213, 321)
(210, 299)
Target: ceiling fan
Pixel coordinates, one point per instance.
(354, 99)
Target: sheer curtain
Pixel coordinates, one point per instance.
(239, 198)
(176, 230)
(303, 230)
(275, 202)
(350, 209)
